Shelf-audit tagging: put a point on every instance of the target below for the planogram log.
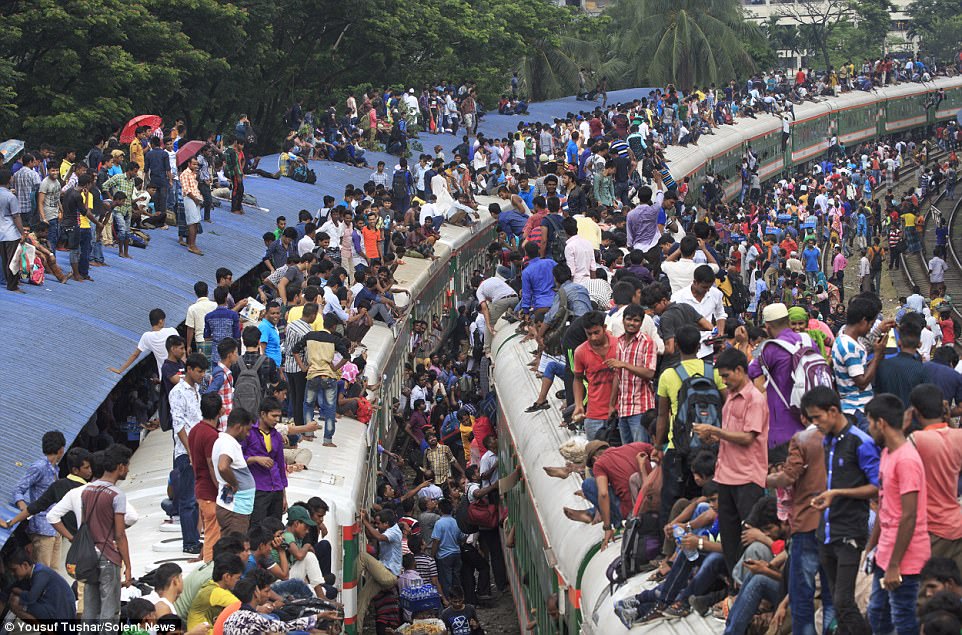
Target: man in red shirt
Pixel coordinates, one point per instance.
(617, 477)
(591, 367)
(941, 450)
(200, 443)
(900, 535)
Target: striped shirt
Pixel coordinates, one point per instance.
(188, 183)
(635, 394)
(295, 332)
(120, 183)
(226, 392)
(849, 359)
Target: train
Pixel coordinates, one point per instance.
(556, 568)
(345, 477)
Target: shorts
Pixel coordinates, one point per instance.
(122, 221)
(191, 211)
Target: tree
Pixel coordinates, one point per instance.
(935, 24)
(689, 42)
(818, 20)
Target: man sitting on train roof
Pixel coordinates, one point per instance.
(617, 476)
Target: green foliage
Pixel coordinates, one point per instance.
(688, 42)
(938, 26)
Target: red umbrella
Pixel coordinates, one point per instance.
(187, 151)
(151, 121)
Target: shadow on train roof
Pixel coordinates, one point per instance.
(63, 338)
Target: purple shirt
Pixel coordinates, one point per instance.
(642, 224)
(266, 480)
(782, 422)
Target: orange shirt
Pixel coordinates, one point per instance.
(372, 238)
(229, 610)
(941, 451)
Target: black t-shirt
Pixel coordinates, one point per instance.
(459, 622)
(575, 335)
(675, 316)
(73, 208)
(168, 370)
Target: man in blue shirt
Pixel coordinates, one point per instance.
(537, 281)
(510, 221)
(47, 596)
(270, 338)
(571, 152)
(526, 191)
(941, 372)
(40, 475)
(811, 257)
(446, 548)
(220, 323)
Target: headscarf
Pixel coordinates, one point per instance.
(797, 314)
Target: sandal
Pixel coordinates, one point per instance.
(657, 576)
(535, 407)
(720, 611)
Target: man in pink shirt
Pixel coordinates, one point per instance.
(941, 450)
(742, 451)
(900, 536)
(839, 262)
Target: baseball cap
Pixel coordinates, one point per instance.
(593, 448)
(775, 312)
(296, 512)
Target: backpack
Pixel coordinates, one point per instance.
(809, 369)
(642, 538)
(738, 299)
(247, 387)
(303, 174)
(699, 401)
(876, 263)
(399, 184)
(555, 247)
(465, 384)
(83, 559)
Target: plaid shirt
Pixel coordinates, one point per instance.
(380, 178)
(439, 459)
(188, 183)
(226, 392)
(635, 395)
(120, 183)
(26, 182)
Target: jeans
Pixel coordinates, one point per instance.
(208, 199)
(803, 559)
(679, 584)
(632, 431)
(53, 235)
(594, 427)
(297, 589)
(186, 502)
(449, 572)
(97, 250)
(83, 261)
(102, 599)
(840, 560)
(323, 392)
(160, 198)
(123, 227)
(893, 610)
(589, 487)
(755, 589)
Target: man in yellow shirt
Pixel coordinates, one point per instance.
(678, 480)
(216, 595)
(137, 149)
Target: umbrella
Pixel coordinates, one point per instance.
(187, 151)
(10, 148)
(151, 121)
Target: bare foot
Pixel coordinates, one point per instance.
(578, 515)
(557, 472)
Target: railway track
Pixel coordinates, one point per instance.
(915, 266)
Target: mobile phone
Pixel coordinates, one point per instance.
(217, 138)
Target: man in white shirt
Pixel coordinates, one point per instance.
(306, 244)
(489, 461)
(496, 297)
(680, 266)
(185, 414)
(153, 341)
(334, 228)
(706, 298)
(196, 313)
(579, 254)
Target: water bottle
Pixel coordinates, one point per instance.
(679, 532)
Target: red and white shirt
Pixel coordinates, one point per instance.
(635, 394)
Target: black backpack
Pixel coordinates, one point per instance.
(399, 184)
(303, 174)
(738, 300)
(556, 239)
(876, 264)
(639, 543)
(699, 401)
(83, 559)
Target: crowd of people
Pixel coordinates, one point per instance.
(678, 330)
(709, 355)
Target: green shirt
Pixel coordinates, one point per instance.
(192, 584)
